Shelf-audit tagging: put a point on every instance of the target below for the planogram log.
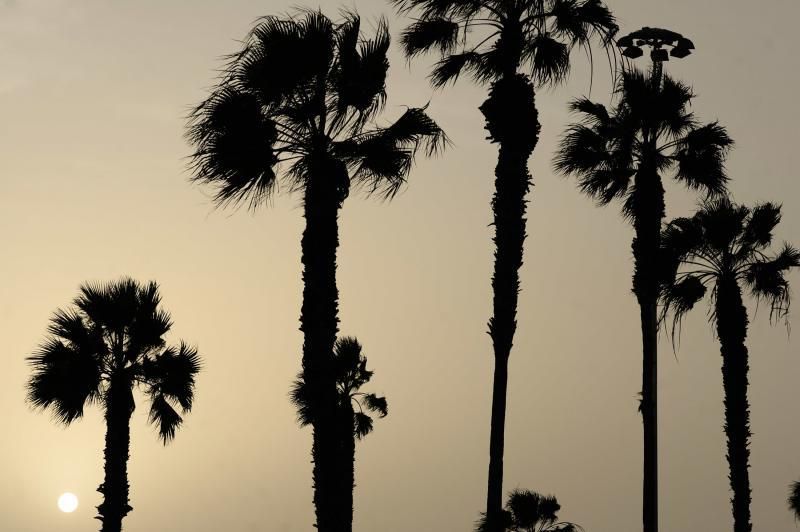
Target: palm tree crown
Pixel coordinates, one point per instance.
(350, 367)
(528, 511)
(725, 242)
(273, 113)
(114, 331)
(536, 36)
(650, 126)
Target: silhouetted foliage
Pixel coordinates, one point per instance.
(298, 103)
(724, 247)
(519, 46)
(794, 499)
(527, 511)
(109, 343)
(623, 153)
(354, 409)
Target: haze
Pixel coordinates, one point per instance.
(94, 185)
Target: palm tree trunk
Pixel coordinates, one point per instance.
(319, 324)
(348, 464)
(648, 208)
(512, 121)
(732, 325)
(119, 407)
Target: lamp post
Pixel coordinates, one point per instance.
(663, 44)
(658, 40)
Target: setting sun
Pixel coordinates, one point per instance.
(68, 503)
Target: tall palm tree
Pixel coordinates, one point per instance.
(722, 250)
(523, 45)
(624, 153)
(794, 499)
(527, 511)
(109, 343)
(354, 407)
(297, 104)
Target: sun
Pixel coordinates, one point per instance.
(68, 502)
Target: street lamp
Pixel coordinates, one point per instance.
(658, 40)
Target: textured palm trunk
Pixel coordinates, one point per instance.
(119, 407)
(348, 459)
(319, 324)
(512, 121)
(732, 325)
(648, 208)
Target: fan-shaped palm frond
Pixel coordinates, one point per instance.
(528, 511)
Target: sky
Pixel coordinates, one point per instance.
(94, 185)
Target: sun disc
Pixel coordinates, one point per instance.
(68, 503)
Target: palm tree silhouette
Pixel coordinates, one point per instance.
(299, 102)
(624, 153)
(527, 511)
(724, 247)
(794, 499)
(354, 407)
(99, 351)
(524, 44)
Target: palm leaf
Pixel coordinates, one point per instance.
(700, 155)
(164, 416)
(64, 379)
(426, 34)
(236, 147)
(363, 425)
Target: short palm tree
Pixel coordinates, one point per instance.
(527, 511)
(110, 343)
(515, 47)
(624, 153)
(794, 499)
(298, 105)
(722, 250)
(354, 406)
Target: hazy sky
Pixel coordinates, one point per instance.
(93, 185)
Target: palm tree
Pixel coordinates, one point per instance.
(309, 121)
(354, 407)
(523, 45)
(724, 247)
(99, 351)
(794, 499)
(527, 511)
(624, 154)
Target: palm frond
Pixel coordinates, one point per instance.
(679, 298)
(172, 374)
(700, 155)
(427, 34)
(164, 416)
(383, 158)
(64, 378)
(268, 65)
(450, 67)
(300, 397)
(235, 147)
(376, 404)
(548, 59)
(767, 280)
(363, 425)
(361, 80)
(764, 217)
